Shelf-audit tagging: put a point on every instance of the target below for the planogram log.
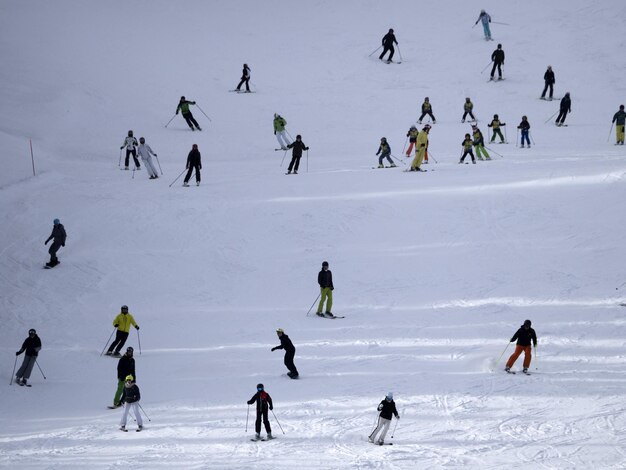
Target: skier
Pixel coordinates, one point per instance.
(427, 109)
(468, 107)
(183, 107)
(145, 152)
(290, 352)
(280, 132)
(325, 280)
(619, 118)
(412, 135)
(485, 19)
(31, 345)
(549, 80)
(387, 408)
(245, 78)
(524, 127)
(421, 147)
(479, 143)
(125, 367)
(388, 41)
(58, 237)
(297, 146)
(263, 401)
(564, 108)
(467, 149)
(524, 336)
(384, 150)
(495, 127)
(497, 57)
(122, 322)
(131, 401)
(194, 162)
(130, 143)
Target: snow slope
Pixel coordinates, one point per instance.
(433, 271)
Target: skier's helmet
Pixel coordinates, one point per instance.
(567, 94)
(129, 349)
(391, 30)
(527, 323)
(621, 107)
(32, 331)
(194, 146)
(413, 127)
(280, 330)
(124, 308)
(524, 118)
(499, 46)
(56, 221)
(129, 378)
(495, 116)
(142, 140)
(467, 136)
(482, 11)
(426, 99)
(467, 99)
(325, 264)
(389, 396)
(259, 387)
(427, 127)
(298, 137)
(383, 139)
(130, 133)
(182, 98)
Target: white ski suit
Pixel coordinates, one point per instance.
(145, 153)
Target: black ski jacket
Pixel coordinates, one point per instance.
(194, 159)
(525, 336)
(31, 346)
(262, 400)
(286, 344)
(325, 279)
(524, 125)
(58, 234)
(389, 39)
(498, 56)
(619, 118)
(387, 408)
(297, 146)
(549, 77)
(131, 394)
(246, 73)
(566, 104)
(126, 366)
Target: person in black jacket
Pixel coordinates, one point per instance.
(290, 352)
(297, 146)
(125, 367)
(58, 237)
(245, 78)
(524, 127)
(564, 108)
(263, 401)
(549, 80)
(388, 41)
(497, 57)
(31, 345)
(387, 408)
(131, 400)
(194, 161)
(524, 336)
(325, 280)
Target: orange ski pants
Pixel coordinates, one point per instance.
(518, 350)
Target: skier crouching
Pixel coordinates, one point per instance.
(263, 402)
(387, 408)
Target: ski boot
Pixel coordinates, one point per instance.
(139, 428)
(257, 437)
(295, 172)
(319, 314)
(123, 428)
(185, 185)
(381, 166)
(269, 436)
(369, 439)
(393, 165)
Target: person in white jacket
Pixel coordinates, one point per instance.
(145, 152)
(130, 143)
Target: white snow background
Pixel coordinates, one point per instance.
(434, 271)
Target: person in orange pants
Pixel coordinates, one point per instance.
(524, 336)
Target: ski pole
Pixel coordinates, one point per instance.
(178, 177)
(318, 296)
(133, 174)
(404, 146)
(546, 121)
(139, 341)
(375, 51)
(610, 130)
(506, 139)
(486, 66)
(107, 343)
(44, 375)
(394, 428)
(157, 159)
(281, 428)
(497, 22)
(144, 411)
(247, 416)
(168, 122)
(283, 160)
(488, 134)
(492, 150)
(119, 162)
(203, 113)
(531, 137)
(396, 158)
(433, 157)
(517, 138)
(307, 161)
(536, 357)
(400, 53)
(496, 363)
(289, 135)
(14, 366)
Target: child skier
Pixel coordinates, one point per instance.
(58, 237)
(290, 352)
(263, 402)
(421, 146)
(122, 322)
(183, 107)
(130, 143)
(298, 146)
(32, 346)
(194, 162)
(479, 143)
(387, 408)
(619, 118)
(524, 126)
(384, 150)
(524, 336)
(468, 107)
(427, 109)
(467, 149)
(325, 280)
(131, 400)
(495, 126)
(245, 78)
(412, 135)
(485, 19)
(145, 152)
(280, 132)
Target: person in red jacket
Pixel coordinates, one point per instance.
(263, 402)
(524, 336)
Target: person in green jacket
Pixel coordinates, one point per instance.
(479, 143)
(280, 132)
(183, 107)
(122, 322)
(495, 126)
(619, 118)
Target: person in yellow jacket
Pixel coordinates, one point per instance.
(421, 146)
(123, 323)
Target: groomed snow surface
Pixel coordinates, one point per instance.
(433, 271)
